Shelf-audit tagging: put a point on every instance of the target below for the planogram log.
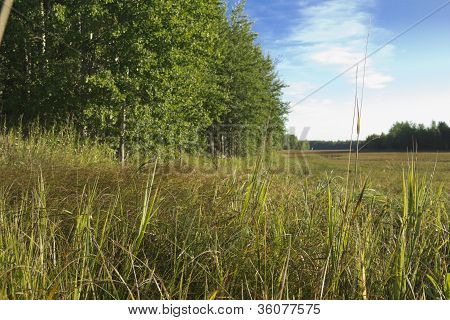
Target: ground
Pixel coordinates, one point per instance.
(75, 225)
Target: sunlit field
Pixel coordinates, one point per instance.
(74, 224)
(384, 169)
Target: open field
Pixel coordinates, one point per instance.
(383, 168)
(75, 225)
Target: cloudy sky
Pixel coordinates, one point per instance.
(314, 40)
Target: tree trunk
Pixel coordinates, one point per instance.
(4, 15)
(122, 136)
(44, 10)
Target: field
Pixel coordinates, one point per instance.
(384, 169)
(74, 224)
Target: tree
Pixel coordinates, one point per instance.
(403, 136)
(291, 142)
(254, 117)
(149, 76)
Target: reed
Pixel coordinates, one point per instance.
(86, 228)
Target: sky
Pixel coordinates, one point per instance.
(312, 41)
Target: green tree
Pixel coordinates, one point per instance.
(254, 117)
(141, 75)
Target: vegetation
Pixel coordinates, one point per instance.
(291, 142)
(204, 207)
(404, 135)
(74, 224)
(330, 145)
(142, 76)
(401, 137)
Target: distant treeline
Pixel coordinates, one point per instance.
(401, 137)
(291, 142)
(142, 76)
(330, 145)
(407, 135)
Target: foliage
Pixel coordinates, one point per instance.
(330, 145)
(143, 76)
(291, 142)
(254, 116)
(78, 226)
(401, 137)
(406, 135)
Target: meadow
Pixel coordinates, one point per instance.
(75, 224)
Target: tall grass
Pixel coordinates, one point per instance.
(76, 225)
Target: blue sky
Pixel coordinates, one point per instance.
(313, 40)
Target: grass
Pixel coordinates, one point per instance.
(74, 224)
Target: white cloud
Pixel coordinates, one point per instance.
(345, 57)
(377, 80)
(333, 33)
(336, 56)
(332, 21)
(327, 38)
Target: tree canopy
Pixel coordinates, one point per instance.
(142, 75)
(407, 135)
(402, 136)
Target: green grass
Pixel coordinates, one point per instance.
(74, 224)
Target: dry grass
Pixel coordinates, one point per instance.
(75, 225)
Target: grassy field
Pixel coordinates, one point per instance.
(384, 169)
(76, 225)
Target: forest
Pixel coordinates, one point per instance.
(158, 76)
(401, 137)
(407, 135)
